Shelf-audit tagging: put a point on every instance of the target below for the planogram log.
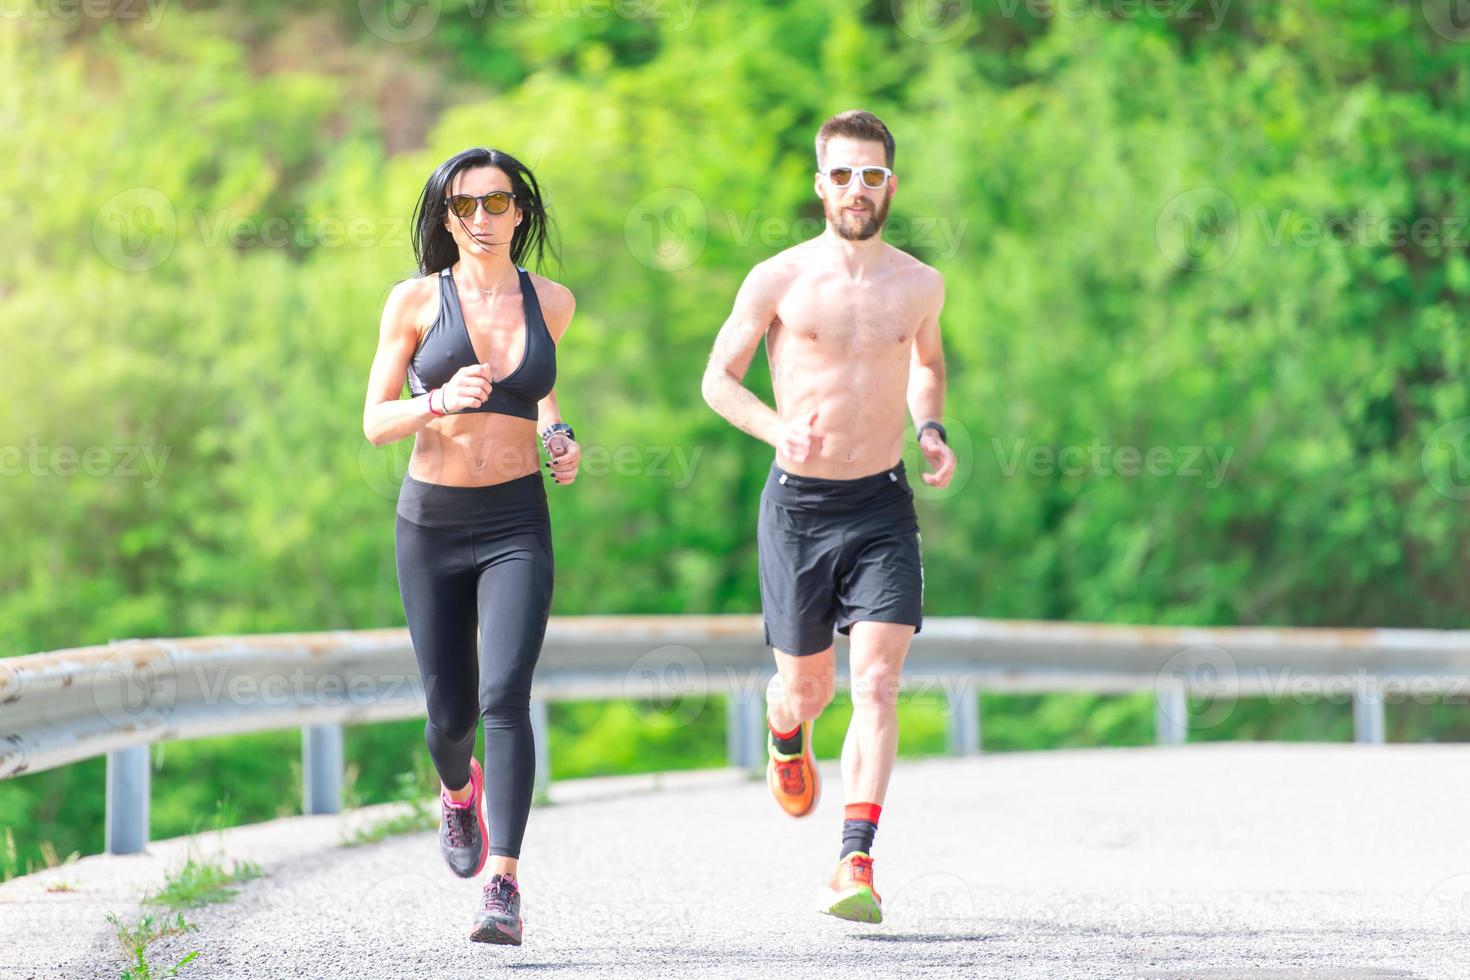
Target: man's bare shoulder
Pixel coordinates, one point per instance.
(782, 268)
(770, 279)
(924, 277)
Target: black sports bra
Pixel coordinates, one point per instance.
(447, 347)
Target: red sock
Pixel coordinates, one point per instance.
(859, 826)
(790, 734)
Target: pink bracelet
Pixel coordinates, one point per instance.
(431, 404)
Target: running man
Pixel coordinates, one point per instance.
(851, 326)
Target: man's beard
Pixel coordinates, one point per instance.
(859, 227)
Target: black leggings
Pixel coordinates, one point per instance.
(468, 554)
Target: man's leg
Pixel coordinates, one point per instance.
(801, 689)
(876, 658)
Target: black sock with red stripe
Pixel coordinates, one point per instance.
(787, 743)
(859, 826)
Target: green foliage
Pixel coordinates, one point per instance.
(203, 882)
(135, 939)
(199, 882)
(921, 726)
(592, 738)
(1018, 722)
(11, 857)
(417, 812)
(1129, 211)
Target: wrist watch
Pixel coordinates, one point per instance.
(931, 424)
(554, 428)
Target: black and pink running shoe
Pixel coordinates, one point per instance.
(462, 830)
(499, 919)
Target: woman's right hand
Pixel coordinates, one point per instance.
(468, 389)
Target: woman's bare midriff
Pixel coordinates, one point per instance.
(475, 449)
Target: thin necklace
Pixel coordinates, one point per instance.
(495, 288)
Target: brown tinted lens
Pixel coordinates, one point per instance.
(873, 177)
(462, 205)
(840, 175)
(497, 202)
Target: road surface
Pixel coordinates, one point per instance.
(1197, 861)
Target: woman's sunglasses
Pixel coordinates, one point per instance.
(870, 176)
(496, 202)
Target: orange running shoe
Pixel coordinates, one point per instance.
(850, 895)
(793, 778)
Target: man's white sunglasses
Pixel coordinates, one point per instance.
(870, 176)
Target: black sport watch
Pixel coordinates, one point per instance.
(552, 430)
(931, 424)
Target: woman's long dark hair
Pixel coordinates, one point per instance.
(434, 246)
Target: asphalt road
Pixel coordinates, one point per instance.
(1225, 860)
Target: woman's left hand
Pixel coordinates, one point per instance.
(566, 456)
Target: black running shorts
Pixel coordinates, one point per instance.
(837, 552)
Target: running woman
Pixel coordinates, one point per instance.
(475, 335)
(851, 327)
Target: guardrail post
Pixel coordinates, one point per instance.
(1368, 721)
(745, 729)
(541, 733)
(127, 800)
(1171, 713)
(964, 717)
(321, 769)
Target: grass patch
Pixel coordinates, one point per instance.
(416, 814)
(10, 863)
(136, 938)
(198, 883)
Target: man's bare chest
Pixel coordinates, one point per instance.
(851, 320)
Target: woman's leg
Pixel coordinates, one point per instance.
(514, 601)
(437, 581)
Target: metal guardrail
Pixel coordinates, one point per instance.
(61, 707)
